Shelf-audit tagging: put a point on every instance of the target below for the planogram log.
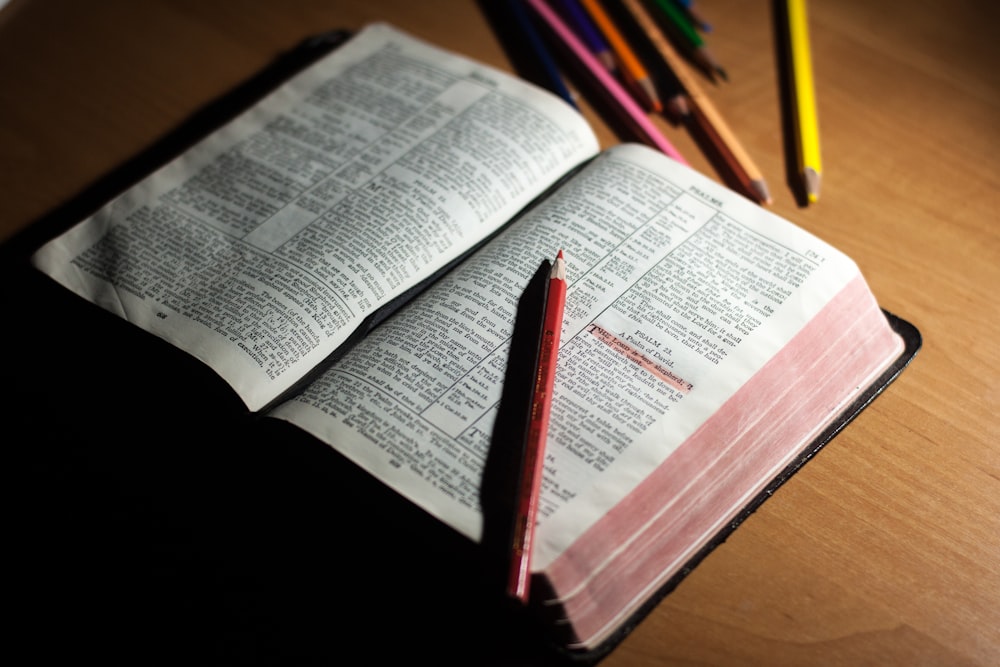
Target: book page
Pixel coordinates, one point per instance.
(261, 249)
(679, 291)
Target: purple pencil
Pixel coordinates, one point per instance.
(578, 18)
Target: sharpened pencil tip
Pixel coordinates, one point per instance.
(679, 107)
(812, 181)
(710, 65)
(559, 267)
(648, 92)
(763, 194)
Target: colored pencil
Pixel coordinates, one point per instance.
(632, 69)
(605, 84)
(670, 88)
(529, 487)
(578, 18)
(689, 36)
(703, 111)
(543, 70)
(807, 126)
(699, 22)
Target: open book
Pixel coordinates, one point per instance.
(349, 253)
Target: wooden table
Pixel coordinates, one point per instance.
(885, 549)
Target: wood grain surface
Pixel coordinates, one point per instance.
(884, 549)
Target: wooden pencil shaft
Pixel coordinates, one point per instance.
(670, 88)
(700, 101)
(632, 68)
(804, 96)
(588, 32)
(620, 103)
(545, 72)
(675, 23)
(677, 18)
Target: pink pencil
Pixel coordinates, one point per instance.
(618, 95)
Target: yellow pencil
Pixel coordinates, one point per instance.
(633, 70)
(807, 136)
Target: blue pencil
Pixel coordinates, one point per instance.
(548, 73)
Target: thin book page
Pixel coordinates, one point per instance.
(740, 451)
(680, 290)
(262, 248)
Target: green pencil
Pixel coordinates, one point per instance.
(692, 40)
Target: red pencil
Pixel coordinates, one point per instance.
(538, 427)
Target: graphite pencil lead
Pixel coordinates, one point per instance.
(710, 64)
